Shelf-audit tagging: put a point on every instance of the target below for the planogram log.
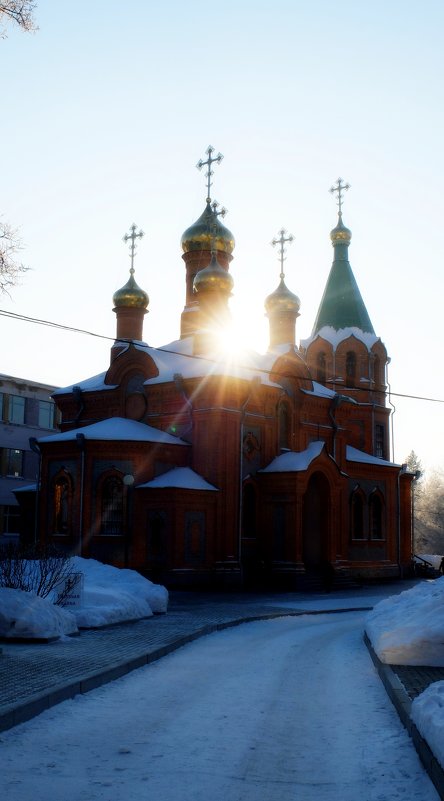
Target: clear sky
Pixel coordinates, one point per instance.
(107, 109)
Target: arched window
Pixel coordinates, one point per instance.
(357, 515)
(350, 368)
(377, 371)
(375, 516)
(284, 426)
(112, 506)
(321, 368)
(62, 504)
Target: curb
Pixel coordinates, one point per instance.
(403, 705)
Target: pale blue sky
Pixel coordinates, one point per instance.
(108, 107)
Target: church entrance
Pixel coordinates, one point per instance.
(315, 529)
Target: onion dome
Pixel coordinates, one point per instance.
(340, 235)
(206, 230)
(131, 295)
(282, 300)
(213, 278)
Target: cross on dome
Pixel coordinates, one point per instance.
(133, 236)
(281, 242)
(210, 160)
(339, 187)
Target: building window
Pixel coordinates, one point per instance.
(321, 368)
(9, 519)
(62, 505)
(284, 426)
(11, 462)
(375, 513)
(112, 511)
(357, 515)
(1, 405)
(380, 441)
(16, 410)
(46, 414)
(350, 368)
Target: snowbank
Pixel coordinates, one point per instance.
(24, 615)
(428, 715)
(433, 559)
(110, 595)
(408, 629)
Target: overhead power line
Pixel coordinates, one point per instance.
(60, 326)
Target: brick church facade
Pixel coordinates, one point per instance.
(200, 471)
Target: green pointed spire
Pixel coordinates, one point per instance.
(342, 305)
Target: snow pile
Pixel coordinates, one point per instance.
(408, 629)
(427, 714)
(110, 595)
(24, 615)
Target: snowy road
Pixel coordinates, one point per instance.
(282, 710)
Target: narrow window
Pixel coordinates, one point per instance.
(375, 511)
(284, 426)
(112, 519)
(350, 368)
(321, 368)
(380, 441)
(357, 516)
(61, 505)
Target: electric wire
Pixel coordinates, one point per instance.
(252, 368)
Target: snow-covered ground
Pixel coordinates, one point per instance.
(109, 595)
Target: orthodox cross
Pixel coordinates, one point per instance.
(210, 160)
(339, 187)
(133, 236)
(281, 242)
(213, 224)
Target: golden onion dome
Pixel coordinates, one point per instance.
(131, 295)
(199, 236)
(282, 300)
(213, 278)
(340, 235)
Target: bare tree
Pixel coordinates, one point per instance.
(10, 266)
(19, 11)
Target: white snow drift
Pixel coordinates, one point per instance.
(110, 595)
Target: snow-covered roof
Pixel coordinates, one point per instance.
(335, 337)
(320, 391)
(117, 429)
(180, 477)
(294, 461)
(353, 455)
(93, 384)
(177, 358)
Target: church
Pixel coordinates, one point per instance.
(199, 470)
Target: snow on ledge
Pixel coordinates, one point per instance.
(294, 461)
(335, 337)
(354, 455)
(117, 429)
(181, 478)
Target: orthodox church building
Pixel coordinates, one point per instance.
(198, 470)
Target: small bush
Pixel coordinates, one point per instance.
(35, 568)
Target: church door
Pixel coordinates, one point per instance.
(315, 534)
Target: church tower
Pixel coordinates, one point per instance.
(343, 350)
(282, 307)
(130, 304)
(207, 233)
